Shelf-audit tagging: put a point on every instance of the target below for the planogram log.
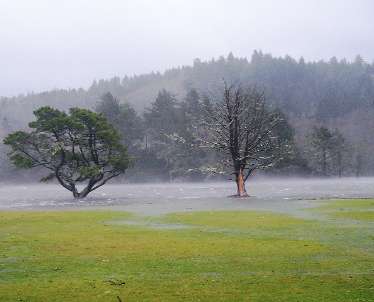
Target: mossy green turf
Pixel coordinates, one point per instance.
(206, 256)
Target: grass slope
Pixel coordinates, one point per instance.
(195, 256)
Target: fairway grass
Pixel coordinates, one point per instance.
(189, 256)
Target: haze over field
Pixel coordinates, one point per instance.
(284, 196)
(68, 44)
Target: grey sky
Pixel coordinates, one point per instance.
(47, 44)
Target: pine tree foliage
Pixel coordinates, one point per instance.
(330, 152)
(124, 117)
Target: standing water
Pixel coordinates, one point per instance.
(274, 195)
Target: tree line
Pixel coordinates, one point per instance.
(173, 138)
(236, 132)
(314, 90)
(335, 95)
(201, 136)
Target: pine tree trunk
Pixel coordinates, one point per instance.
(76, 194)
(82, 194)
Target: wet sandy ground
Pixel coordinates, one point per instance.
(284, 196)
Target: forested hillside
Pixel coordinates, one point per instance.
(337, 95)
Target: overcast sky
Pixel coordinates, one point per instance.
(47, 44)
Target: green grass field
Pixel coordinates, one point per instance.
(194, 256)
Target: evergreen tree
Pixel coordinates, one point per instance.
(330, 150)
(75, 148)
(163, 120)
(124, 118)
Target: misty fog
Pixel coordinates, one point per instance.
(285, 196)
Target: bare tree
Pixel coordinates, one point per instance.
(242, 129)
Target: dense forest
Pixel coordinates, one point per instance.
(328, 108)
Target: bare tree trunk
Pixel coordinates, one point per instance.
(240, 184)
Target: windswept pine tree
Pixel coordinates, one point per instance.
(82, 147)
